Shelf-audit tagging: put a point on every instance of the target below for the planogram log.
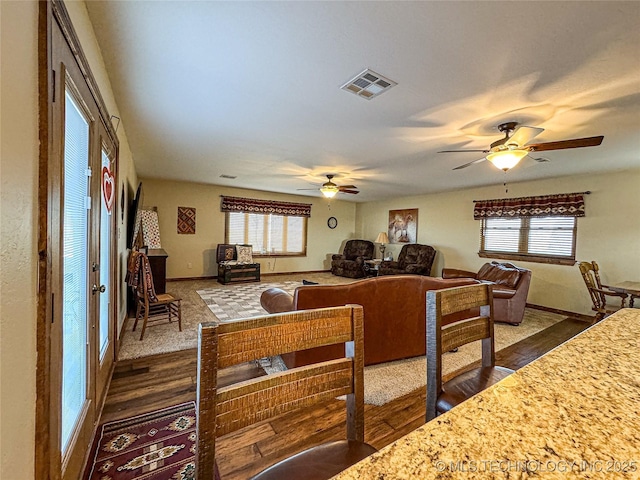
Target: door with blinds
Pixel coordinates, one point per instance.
(81, 192)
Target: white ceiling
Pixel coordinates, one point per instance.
(252, 89)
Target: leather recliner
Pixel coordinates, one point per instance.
(351, 262)
(413, 259)
(510, 288)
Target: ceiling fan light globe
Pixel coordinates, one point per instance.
(507, 159)
(329, 191)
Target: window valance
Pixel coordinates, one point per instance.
(565, 204)
(252, 205)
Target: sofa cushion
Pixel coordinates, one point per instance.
(499, 274)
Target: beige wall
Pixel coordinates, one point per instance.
(199, 249)
(18, 248)
(609, 234)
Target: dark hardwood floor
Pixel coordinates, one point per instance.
(149, 383)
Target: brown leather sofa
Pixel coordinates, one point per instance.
(510, 288)
(394, 314)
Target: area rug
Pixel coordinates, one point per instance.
(227, 302)
(160, 445)
(243, 301)
(388, 381)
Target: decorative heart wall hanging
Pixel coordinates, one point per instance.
(108, 188)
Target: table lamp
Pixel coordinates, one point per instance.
(382, 239)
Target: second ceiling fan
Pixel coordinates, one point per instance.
(330, 189)
(508, 151)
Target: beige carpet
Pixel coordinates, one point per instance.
(387, 381)
(383, 383)
(164, 338)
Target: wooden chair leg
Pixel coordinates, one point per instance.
(144, 324)
(135, 324)
(179, 315)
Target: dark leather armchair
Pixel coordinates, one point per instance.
(413, 259)
(351, 262)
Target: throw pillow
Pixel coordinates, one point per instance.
(228, 253)
(245, 254)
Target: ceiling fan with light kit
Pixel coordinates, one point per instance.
(508, 151)
(330, 189)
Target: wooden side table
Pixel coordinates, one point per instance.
(371, 267)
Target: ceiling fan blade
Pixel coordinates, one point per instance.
(307, 189)
(524, 135)
(563, 144)
(470, 163)
(346, 186)
(459, 151)
(354, 192)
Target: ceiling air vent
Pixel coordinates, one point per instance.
(368, 84)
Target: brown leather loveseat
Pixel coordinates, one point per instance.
(394, 314)
(510, 288)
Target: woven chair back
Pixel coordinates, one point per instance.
(444, 339)
(227, 409)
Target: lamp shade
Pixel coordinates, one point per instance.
(507, 159)
(382, 238)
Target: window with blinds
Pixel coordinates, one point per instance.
(529, 238)
(268, 234)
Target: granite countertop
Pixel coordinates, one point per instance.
(572, 413)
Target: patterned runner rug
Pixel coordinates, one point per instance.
(159, 445)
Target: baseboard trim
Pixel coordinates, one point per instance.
(579, 316)
(262, 274)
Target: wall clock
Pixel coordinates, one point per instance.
(332, 222)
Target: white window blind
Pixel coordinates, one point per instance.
(548, 237)
(268, 234)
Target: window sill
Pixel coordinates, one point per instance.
(272, 255)
(528, 258)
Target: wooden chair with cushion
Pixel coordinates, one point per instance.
(226, 409)
(152, 308)
(442, 397)
(598, 292)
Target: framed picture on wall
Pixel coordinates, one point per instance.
(403, 226)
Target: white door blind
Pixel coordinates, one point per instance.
(75, 268)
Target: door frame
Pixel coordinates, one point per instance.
(53, 13)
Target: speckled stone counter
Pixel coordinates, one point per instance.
(572, 413)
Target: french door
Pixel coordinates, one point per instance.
(81, 288)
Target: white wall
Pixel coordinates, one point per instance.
(18, 234)
(199, 249)
(609, 234)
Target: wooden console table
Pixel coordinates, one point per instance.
(158, 262)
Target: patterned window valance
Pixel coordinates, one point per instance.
(252, 205)
(565, 204)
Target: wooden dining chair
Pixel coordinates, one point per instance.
(598, 292)
(223, 410)
(442, 397)
(152, 308)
